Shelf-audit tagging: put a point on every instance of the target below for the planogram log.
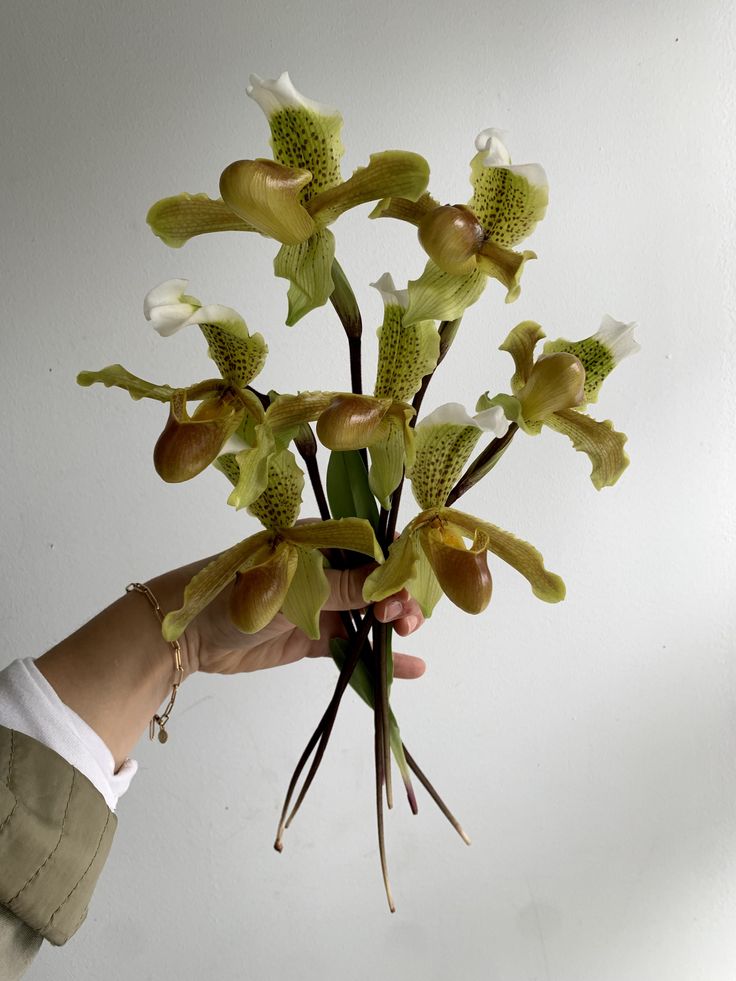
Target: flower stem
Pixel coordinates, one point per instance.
(346, 307)
(380, 697)
(380, 755)
(434, 795)
(322, 733)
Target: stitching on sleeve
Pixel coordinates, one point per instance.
(65, 901)
(54, 849)
(7, 781)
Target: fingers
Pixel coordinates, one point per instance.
(407, 666)
(401, 611)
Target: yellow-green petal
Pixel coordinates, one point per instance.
(252, 464)
(307, 593)
(353, 534)
(506, 202)
(115, 376)
(520, 344)
(287, 413)
(308, 267)
(424, 586)
(308, 140)
(599, 440)
(405, 210)
(517, 553)
(268, 195)
(437, 295)
(397, 571)
(505, 266)
(210, 581)
(279, 504)
(177, 219)
(389, 458)
(406, 353)
(391, 173)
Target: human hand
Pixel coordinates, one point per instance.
(213, 644)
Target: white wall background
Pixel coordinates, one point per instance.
(588, 747)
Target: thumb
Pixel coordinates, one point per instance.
(346, 588)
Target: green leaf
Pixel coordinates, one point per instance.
(347, 487)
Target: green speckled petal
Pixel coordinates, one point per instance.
(507, 204)
(520, 554)
(406, 353)
(599, 440)
(438, 295)
(520, 344)
(239, 355)
(115, 376)
(177, 219)
(279, 504)
(308, 592)
(252, 466)
(441, 453)
(600, 353)
(308, 267)
(397, 571)
(391, 173)
(210, 581)
(308, 140)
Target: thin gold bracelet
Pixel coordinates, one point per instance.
(161, 720)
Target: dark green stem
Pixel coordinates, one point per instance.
(346, 307)
(323, 731)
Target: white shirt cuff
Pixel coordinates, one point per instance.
(30, 705)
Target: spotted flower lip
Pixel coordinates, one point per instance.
(491, 143)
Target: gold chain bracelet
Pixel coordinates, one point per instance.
(161, 720)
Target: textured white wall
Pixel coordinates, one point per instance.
(588, 747)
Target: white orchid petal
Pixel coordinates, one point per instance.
(534, 173)
(617, 337)
(216, 313)
(391, 296)
(167, 320)
(492, 420)
(492, 143)
(274, 94)
(170, 291)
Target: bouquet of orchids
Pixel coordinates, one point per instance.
(376, 441)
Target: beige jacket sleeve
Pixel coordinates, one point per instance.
(55, 835)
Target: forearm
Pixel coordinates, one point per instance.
(117, 670)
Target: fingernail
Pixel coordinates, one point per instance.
(411, 623)
(393, 610)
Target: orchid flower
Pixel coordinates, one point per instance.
(430, 556)
(553, 390)
(295, 196)
(278, 569)
(469, 243)
(189, 443)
